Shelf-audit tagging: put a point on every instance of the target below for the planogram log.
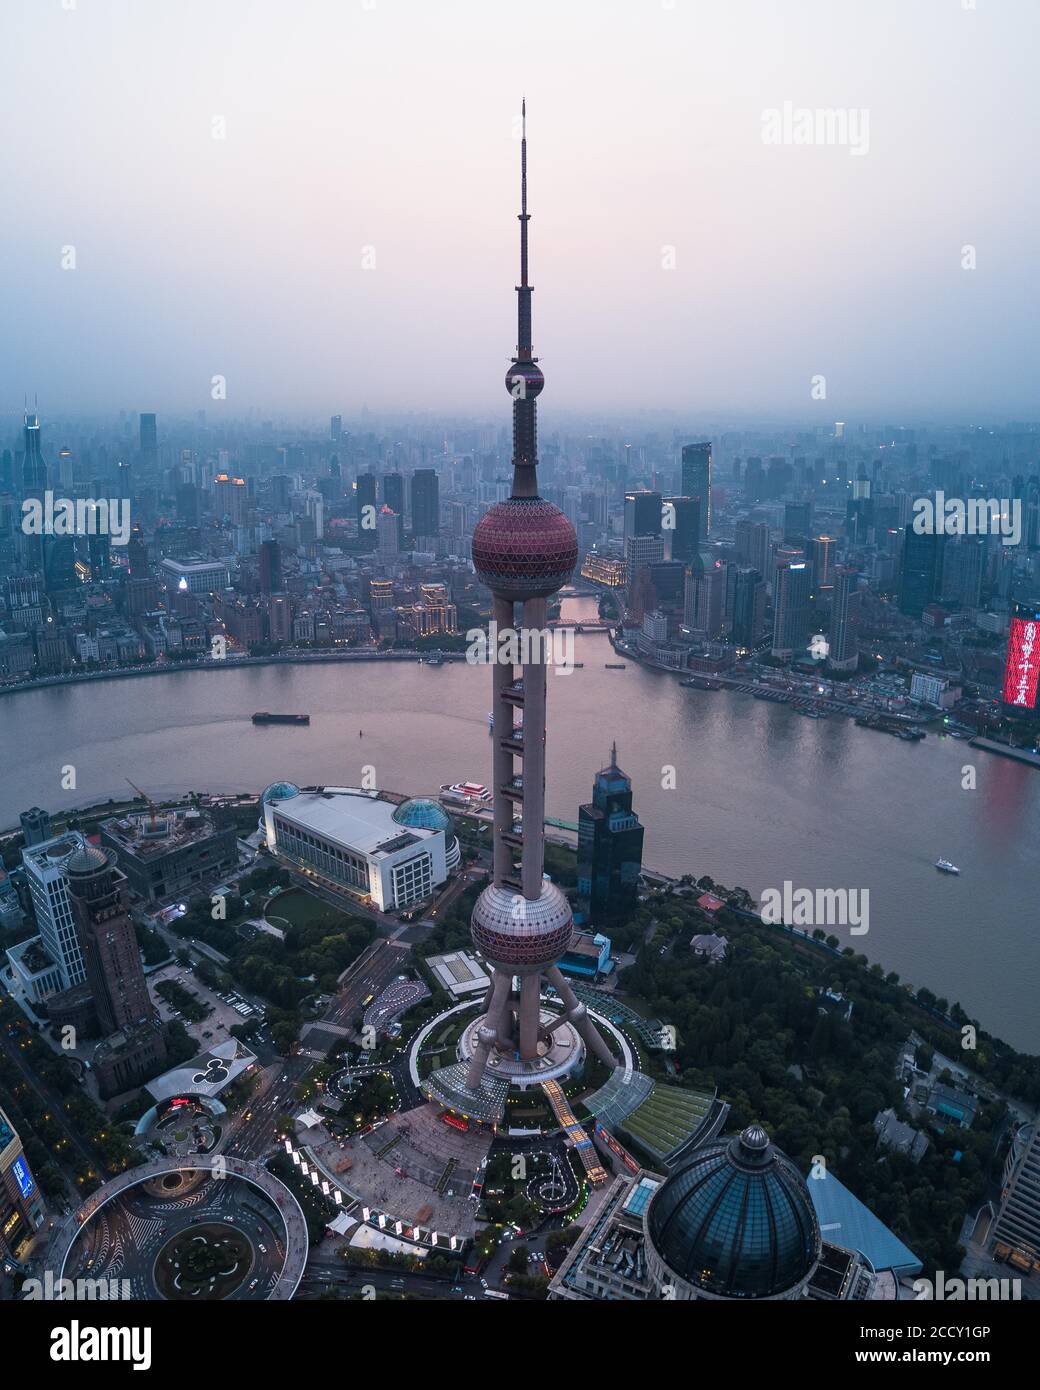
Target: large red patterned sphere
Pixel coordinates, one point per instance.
(524, 548)
(524, 380)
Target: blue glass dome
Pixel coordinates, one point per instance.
(421, 813)
(737, 1220)
(279, 791)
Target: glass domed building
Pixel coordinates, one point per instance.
(736, 1222)
(423, 813)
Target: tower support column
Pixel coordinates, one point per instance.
(502, 761)
(534, 633)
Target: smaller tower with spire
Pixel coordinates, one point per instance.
(610, 847)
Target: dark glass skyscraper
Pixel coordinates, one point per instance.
(696, 480)
(610, 846)
(426, 509)
(922, 570)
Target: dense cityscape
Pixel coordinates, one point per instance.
(367, 995)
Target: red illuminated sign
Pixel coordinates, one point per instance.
(1023, 663)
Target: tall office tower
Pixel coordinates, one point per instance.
(823, 548)
(797, 521)
(610, 847)
(135, 1046)
(1017, 1227)
(22, 1211)
(336, 428)
(34, 484)
(100, 907)
(36, 826)
(149, 444)
(280, 485)
(99, 555)
(643, 514)
(792, 614)
(964, 563)
(753, 542)
(681, 528)
(640, 553)
(749, 608)
(754, 480)
(137, 554)
(388, 533)
(921, 570)
(6, 471)
(44, 866)
(524, 550)
(393, 497)
(778, 477)
(843, 635)
(426, 506)
(696, 480)
(279, 618)
(34, 470)
(186, 501)
(365, 505)
(270, 567)
(704, 608)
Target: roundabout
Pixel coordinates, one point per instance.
(167, 1230)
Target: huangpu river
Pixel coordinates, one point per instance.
(761, 795)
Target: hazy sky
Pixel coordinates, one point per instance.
(389, 124)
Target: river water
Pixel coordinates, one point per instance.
(761, 795)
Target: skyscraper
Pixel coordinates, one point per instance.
(270, 567)
(749, 608)
(642, 514)
(524, 549)
(791, 607)
(696, 480)
(34, 470)
(44, 865)
(682, 527)
(921, 571)
(610, 846)
(365, 503)
(149, 443)
(36, 826)
(843, 638)
(100, 906)
(100, 902)
(426, 508)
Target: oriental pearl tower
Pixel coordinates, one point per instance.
(524, 550)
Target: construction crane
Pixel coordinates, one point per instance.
(148, 801)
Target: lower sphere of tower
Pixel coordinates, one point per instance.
(520, 935)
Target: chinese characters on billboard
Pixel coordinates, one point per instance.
(1023, 662)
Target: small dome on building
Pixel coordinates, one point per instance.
(423, 813)
(88, 860)
(279, 791)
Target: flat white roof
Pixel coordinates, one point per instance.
(357, 820)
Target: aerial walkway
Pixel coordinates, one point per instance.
(597, 1174)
